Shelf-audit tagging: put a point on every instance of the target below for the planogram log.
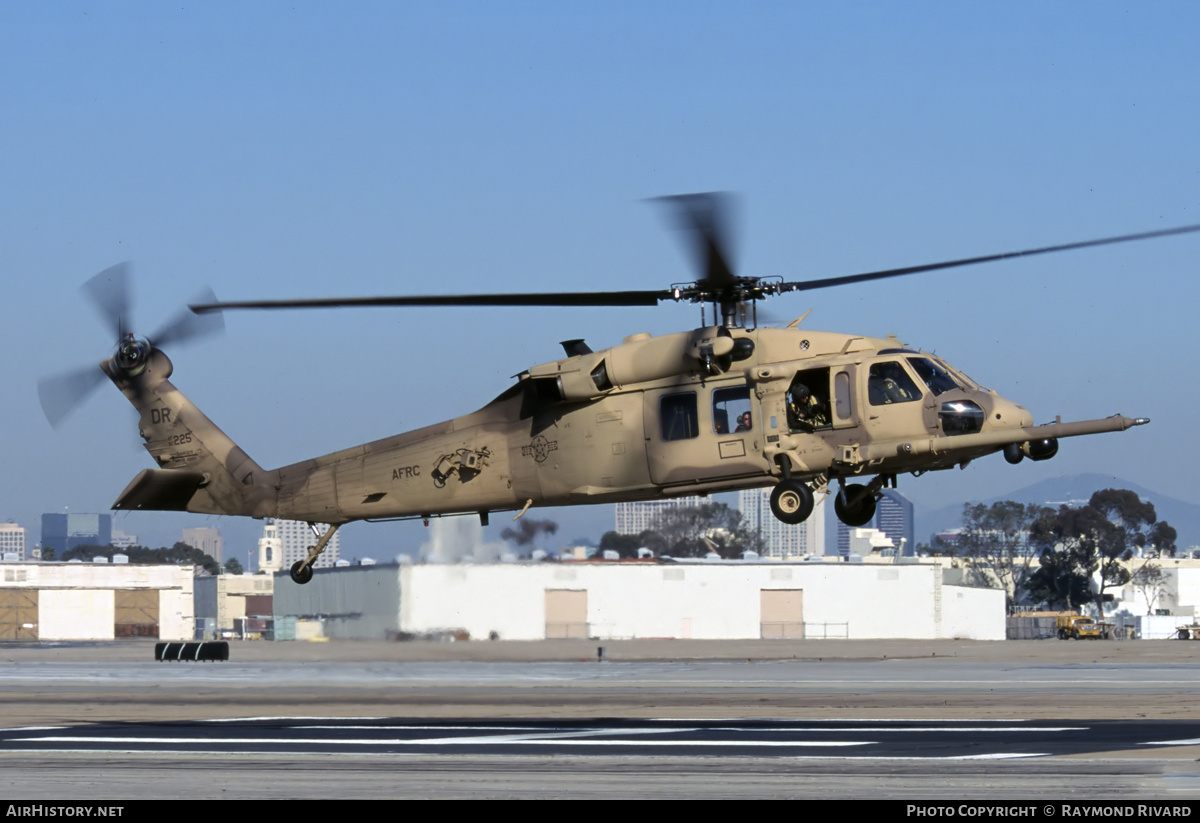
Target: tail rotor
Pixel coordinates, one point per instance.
(110, 294)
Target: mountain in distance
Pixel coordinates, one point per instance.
(1074, 490)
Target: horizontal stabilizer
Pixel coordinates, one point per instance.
(167, 490)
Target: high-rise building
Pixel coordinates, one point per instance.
(780, 539)
(208, 541)
(12, 540)
(294, 537)
(63, 532)
(635, 518)
(893, 517)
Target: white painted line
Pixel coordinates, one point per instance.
(293, 718)
(669, 729)
(450, 741)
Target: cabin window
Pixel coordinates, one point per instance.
(678, 416)
(889, 383)
(841, 390)
(731, 410)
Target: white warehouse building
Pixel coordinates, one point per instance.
(617, 600)
(95, 601)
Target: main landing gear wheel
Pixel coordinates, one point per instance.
(301, 573)
(792, 502)
(858, 513)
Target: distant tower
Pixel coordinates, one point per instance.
(635, 518)
(893, 517)
(12, 540)
(781, 540)
(208, 541)
(270, 549)
(294, 539)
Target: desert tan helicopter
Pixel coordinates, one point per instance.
(723, 407)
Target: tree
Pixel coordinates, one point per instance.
(1138, 520)
(1069, 542)
(627, 545)
(1150, 582)
(995, 543)
(180, 553)
(232, 566)
(1095, 540)
(694, 531)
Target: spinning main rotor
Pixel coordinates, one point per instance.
(733, 296)
(704, 217)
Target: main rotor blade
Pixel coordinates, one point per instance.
(826, 282)
(109, 293)
(61, 394)
(186, 325)
(595, 298)
(706, 215)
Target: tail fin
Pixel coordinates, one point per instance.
(201, 469)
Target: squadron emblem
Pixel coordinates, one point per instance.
(539, 448)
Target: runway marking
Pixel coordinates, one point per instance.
(788, 730)
(800, 738)
(550, 740)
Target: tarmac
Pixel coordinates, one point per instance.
(72, 683)
(69, 684)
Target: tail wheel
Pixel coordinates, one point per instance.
(792, 502)
(856, 513)
(301, 573)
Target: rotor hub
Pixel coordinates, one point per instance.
(132, 355)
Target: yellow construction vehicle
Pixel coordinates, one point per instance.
(1073, 626)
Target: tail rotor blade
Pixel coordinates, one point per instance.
(60, 395)
(109, 293)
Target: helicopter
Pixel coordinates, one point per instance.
(726, 406)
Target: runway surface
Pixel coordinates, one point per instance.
(655, 719)
(845, 739)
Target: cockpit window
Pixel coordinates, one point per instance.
(936, 378)
(888, 383)
(962, 376)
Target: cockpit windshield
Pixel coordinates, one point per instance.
(960, 375)
(938, 379)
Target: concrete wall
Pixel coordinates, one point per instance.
(632, 600)
(969, 613)
(707, 601)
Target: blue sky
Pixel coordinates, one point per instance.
(314, 149)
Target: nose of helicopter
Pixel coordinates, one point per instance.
(1007, 414)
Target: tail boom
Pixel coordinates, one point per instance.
(200, 468)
